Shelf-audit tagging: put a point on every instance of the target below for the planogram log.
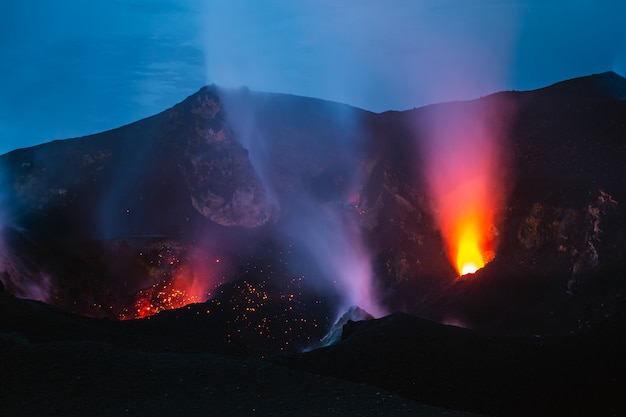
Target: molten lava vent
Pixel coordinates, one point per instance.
(466, 169)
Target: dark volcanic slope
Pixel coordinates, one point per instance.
(54, 363)
(574, 375)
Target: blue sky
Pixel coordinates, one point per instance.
(73, 67)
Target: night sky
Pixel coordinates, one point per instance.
(73, 67)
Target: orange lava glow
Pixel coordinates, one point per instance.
(189, 281)
(465, 167)
(159, 298)
(163, 296)
(467, 227)
(472, 249)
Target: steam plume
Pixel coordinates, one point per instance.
(333, 243)
(314, 217)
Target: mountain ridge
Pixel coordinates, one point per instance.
(608, 80)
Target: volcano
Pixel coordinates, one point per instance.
(244, 223)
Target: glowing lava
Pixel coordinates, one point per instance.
(466, 219)
(156, 298)
(182, 280)
(469, 258)
(469, 240)
(466, 170)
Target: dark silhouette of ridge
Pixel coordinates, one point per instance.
(597, 86)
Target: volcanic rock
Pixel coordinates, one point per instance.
(579, 374)
(223, 184)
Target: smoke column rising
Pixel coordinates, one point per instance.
(318, 218)
(464, 157)
(334, 244)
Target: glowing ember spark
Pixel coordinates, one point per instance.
(182, 281)
(159, 297)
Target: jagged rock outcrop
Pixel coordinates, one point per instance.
(569, 234)
(224, 186)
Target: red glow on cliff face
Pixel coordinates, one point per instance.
(466, 168)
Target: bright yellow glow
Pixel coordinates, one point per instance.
(469, 257)
(469, 268)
